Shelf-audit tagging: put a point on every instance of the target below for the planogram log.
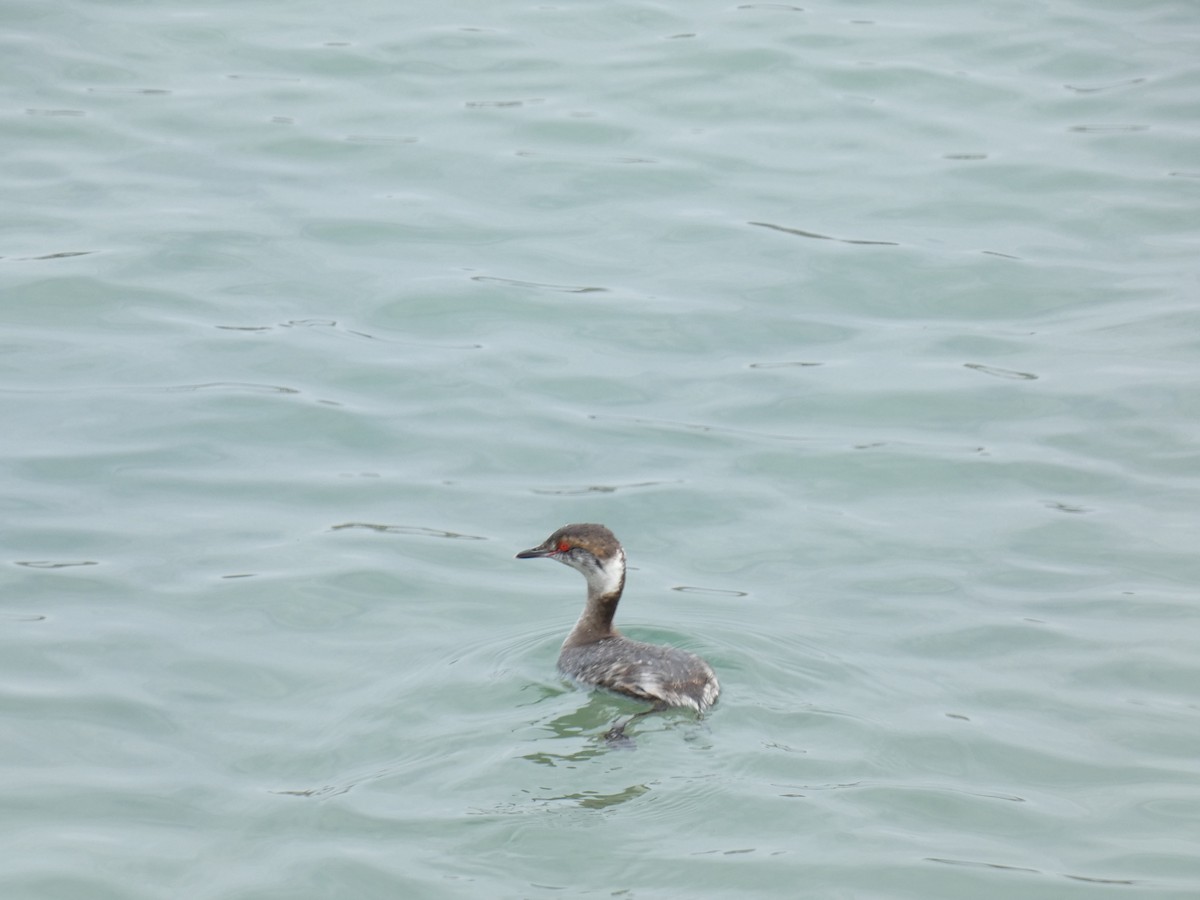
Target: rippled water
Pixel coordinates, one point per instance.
(872, 333)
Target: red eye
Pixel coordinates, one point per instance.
(563, 546)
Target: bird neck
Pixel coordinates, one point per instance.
(605, 582)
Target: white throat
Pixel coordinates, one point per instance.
(603, 576)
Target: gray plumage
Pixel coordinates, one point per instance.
(596, 653)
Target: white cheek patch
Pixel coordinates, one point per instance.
(608, 579)
(601, 578)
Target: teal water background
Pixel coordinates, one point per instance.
(872, 330)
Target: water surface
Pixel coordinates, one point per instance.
(871, 332)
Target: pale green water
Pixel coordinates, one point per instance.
(313, 315)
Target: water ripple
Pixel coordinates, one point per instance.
(1001, 373)
(410, 529)
(1010, 868)
(822, 237)
(602, 488)
(561, 288)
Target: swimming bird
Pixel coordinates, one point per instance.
(595, 653)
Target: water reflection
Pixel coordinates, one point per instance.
(596, 800)
(594, 722)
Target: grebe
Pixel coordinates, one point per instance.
(596, 653)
